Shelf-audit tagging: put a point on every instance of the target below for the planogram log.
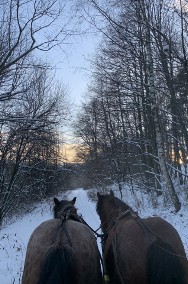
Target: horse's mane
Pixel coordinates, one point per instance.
(119, 204)
(65, 208)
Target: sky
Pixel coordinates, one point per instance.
(14, 235)
(72, 69)
(70, 61)
(73, 64)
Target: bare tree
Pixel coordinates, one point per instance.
(32, 107)
(29, 147)
(25, 27)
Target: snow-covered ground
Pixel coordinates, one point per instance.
(14, 237)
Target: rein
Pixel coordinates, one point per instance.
(94, 231)
(75, 217)
(68, 214)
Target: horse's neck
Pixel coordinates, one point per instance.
(69, 208)
(111, 215)
(67, 212)
(107, 217)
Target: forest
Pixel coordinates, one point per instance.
(132, 127)
(135, 121)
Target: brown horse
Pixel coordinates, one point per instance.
(62, 250)
(139, 251)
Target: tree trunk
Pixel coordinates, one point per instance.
(159, 138)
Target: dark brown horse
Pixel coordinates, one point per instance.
(139, 251)
(62, 250)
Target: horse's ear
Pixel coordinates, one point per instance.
(98, 194)
(56, 201)
(73, 201)
(111, 193)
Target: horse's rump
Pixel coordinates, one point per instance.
(74, 246)
(139, 255)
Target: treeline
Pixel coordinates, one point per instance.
(32, 105)
(134, 124)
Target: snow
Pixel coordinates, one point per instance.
(14, 237)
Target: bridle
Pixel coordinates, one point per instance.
(66, 212)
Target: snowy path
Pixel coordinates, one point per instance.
(14, 238)
(85, 207)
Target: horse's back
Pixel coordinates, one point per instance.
(128, 243)
(74, 234)
(143, 232)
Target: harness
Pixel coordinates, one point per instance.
(70, 214)
(128, 214)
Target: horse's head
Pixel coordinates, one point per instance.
(62, 206)
(103, 200)
(109, 207)
(105, 208)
